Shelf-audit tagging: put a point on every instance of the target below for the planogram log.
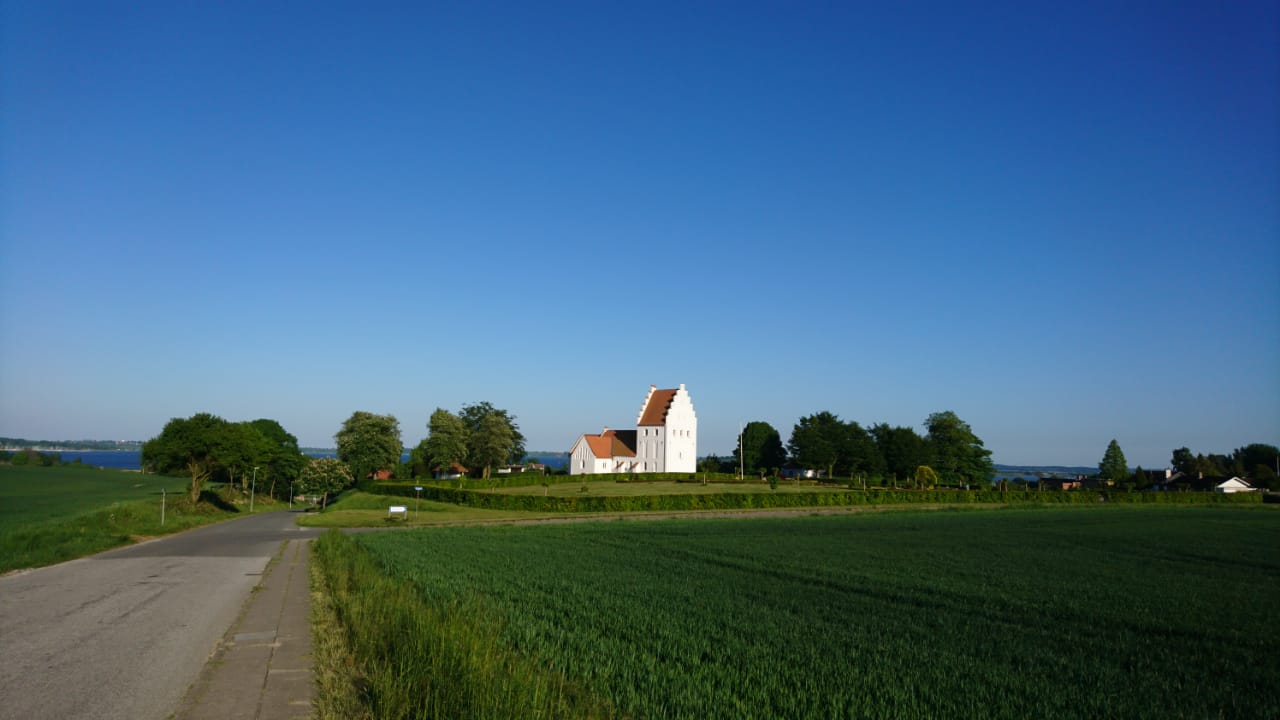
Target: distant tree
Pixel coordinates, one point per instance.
(863, 458)
(490, 443)
(1264, 477)
(709, 465)
(819, 441)
(473, 416)
(323, 477)
(368, 443)
(446, 442)
(1255, 455)
(1113, 467)
(1184, 461)
(187, 444)
(902, 448)
(1140, 479)
(241, 447)
(282, 460)
(759, 448)
(925, 477)
(958, 453)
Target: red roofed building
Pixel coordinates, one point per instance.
(666, 440)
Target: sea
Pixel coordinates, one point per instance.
(132, 459)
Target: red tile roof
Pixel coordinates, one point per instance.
(612, 443)
(655, 410)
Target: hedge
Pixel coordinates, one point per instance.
(850, 498)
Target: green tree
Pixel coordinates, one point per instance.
(1184, 462)
(368, 443)
(472, 417)
(902, 448)
(1113, 469)
(324, 477)
(759, 448)
(187, 444)
(492, 436)
(958, 453)
(490, 444)
(282, 460)
(819, 441)
(925, 477)
(241, 447)
(1255, 455)
(446, 441)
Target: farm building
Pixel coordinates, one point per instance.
(665, 439)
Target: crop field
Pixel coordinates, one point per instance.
(1065, 612)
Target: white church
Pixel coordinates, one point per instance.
(665, 440)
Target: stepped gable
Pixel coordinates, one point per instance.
(656, 406)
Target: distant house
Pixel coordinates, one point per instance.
(1059, 483)
(1234, 485)
(454, 472)
(794, 469)
(380, 475)
(665, 440)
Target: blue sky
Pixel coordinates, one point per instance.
(1061, 221)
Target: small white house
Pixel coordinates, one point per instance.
(665, 439)
(1234, 485)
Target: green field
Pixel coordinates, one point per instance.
(34, 494)
(1071, 612)
(51, 514)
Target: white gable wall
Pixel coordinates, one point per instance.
(583, 462)
(681, 435)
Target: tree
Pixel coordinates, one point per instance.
(446, 442)
(925, 477)
(324, 477)
(490, 444)
(819, 441)
(282, 460)
(473, 417)
(191, 444)
(1256, 455)
(241, 447)
(492, 436)
(759, 448)
(1113, 467)
(1184, 461)
(902, 448)
(957, 452)
(368, 443)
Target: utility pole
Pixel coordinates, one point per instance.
(253, 488)
(741, 465)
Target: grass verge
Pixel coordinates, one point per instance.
(57, 540)
(398, 654)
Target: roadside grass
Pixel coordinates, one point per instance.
(396, 655)
(1134, 611)
(49, 515)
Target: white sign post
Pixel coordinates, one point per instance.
(418, 502)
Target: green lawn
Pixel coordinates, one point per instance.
(359, 509)
(1035, 612)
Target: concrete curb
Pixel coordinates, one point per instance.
(262, 668)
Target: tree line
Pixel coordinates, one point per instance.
(1257, 461)
(949, 452)
(208, 448)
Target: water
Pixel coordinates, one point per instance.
(132, 459)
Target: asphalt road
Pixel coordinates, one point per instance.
(121, 635)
